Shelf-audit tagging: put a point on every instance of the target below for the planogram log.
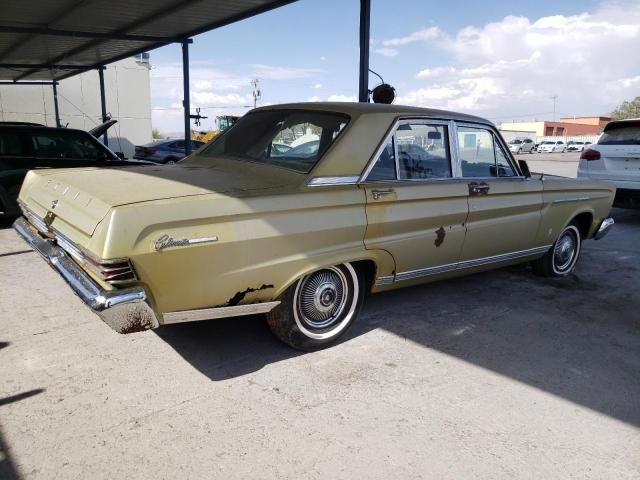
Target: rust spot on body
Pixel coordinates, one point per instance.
(238, 297)
(440, 234)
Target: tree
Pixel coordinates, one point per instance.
(156, 134)
(627, 110)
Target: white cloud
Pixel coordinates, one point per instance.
(423, 35)
(315, 98)
(386, 52)
(317, 86)
(514, 66)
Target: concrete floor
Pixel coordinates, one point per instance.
(497, 375)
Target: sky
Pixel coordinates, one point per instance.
(501, 60)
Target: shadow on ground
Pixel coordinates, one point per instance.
(577, 338)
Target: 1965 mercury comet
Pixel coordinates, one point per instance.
(297, 211)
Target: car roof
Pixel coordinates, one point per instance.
(357, 109)
(629, 122)
(37, 128)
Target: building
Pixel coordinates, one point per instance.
(127, 92)
(566, 127)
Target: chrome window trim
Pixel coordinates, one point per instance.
(449, 267)
(333, 180)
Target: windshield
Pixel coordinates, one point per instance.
(293, 139)
(621, 136)
(515, 142)
(548, 143)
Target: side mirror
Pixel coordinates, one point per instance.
(120, 155)
(524, 168)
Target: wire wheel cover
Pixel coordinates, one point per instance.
(322, 297)
(565, 250)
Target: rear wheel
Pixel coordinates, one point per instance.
(319, 308)
(170, 161)
(561, 259)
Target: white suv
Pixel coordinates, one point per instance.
(616, 157)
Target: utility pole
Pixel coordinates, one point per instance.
(555, 97)
(256, 92)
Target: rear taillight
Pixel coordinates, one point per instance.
(112, 271)
(590, 155)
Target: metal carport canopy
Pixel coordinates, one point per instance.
(50, 40)
(53, 40)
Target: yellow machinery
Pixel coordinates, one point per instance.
(223, 121)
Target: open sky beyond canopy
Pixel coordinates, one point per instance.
(501, 60)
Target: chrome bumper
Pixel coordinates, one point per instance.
(125, 310)
(604, 228)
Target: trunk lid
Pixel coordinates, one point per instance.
(83, 197)
(619, 147)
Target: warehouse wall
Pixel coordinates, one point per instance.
(128, 101)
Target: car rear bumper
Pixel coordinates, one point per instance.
(124, 310)
(604, 228)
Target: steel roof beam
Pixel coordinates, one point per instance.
(78, 34)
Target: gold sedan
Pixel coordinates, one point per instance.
(299, 210)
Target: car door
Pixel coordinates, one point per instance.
(504, 206)
(416, 208)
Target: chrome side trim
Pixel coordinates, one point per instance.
(338, 180)
(385, 280)
(218, 312)
(477, 262)
(124, 310)
(604, 228)
(571, 199)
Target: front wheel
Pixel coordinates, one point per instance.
(561, 259)
(319, 308)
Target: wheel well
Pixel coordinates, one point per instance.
(368, 270)
(583, 221)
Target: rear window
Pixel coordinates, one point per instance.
(293, 139)
(625, 135)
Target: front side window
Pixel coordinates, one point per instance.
(423, 151)
(480, 155)
(11, 144)
(293, 139)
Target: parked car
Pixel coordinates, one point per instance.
(552, 146)
(235, 230)
(25, 146)
(616, 157)
(166, 151)
(577, 146)
(522, 146)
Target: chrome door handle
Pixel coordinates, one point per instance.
(479, 188)
(380, 193)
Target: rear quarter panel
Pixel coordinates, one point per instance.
(264, 244)
(566, 198)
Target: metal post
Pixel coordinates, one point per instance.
(365, 24)
(55, 103)
(103, 102)
(185, 102)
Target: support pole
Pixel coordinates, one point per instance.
(185, 102)
(103, 103)
(55, 103)
(365, 24)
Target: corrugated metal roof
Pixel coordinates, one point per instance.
(51, 40)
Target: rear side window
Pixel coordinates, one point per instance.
(66, 144)
(11, 144)
(621, 136)
(423, 151)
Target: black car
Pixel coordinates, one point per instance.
(26, 147)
